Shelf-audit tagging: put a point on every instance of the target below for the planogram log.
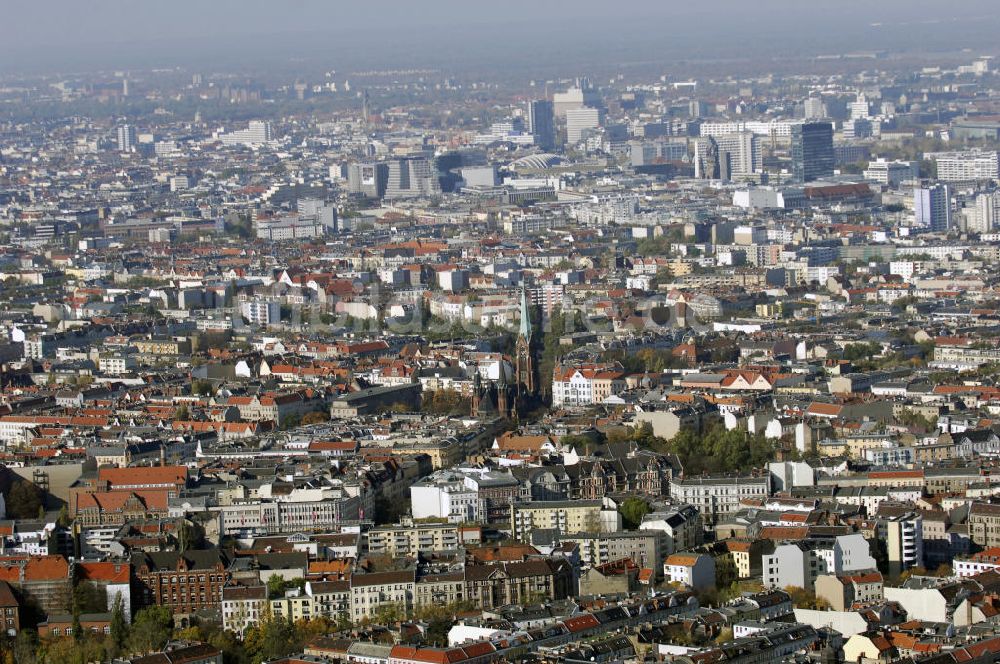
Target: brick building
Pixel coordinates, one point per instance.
(184, 582)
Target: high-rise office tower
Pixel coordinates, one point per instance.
(578, 120)
(412, 177)
(706, 159)
(987, 213)
(368, 178)
(932, 207)
(739, 153)
(541, 123)
(366, 108)
(580, 96)
(697, 108)
(814, 108)
(325, 213)
(859, 108)
(126, 138)
(812, 151)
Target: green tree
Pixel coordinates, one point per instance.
(387, 614)
(151, 629)
(23, 500)
(440, 618)
(275, 586)
(445, 402)
(861, 351)
(233, 651)
(806, 599)
(89, 598)
(119, 625)
(714, 451)
(388, 511)
(315, 417)
(632, 510)
(190, 535)
(26, 646)
(550, 348)
(77, 628)
(182, 414)
(655, 246)
(201, 387)
(271, 638)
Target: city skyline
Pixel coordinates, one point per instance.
(537, 332)
(118, 34)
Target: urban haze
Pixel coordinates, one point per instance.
(551, 331)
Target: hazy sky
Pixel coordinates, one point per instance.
(123, 33)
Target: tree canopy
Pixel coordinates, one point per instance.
(24, 500)
(632, 510)
(715, 450)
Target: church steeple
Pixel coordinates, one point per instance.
(525, 330)
(524, 356)
(477, 393)
(503, 393)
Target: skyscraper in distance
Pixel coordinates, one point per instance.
(541, 123)
(814, 108)
(411, 177)
(812, 151)
(126, 138)
(578, 120)
(932, 208)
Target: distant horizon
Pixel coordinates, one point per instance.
(63, 36)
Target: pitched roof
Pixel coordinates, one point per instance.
(149, 476)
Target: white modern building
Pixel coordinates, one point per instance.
(798, 564)
(446, 495)
(292, 227)
(256, 133)
(126, 138)
(579, 120)
(259, 312)
(891, 173)
(965, 166)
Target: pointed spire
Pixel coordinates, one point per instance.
(525, 331)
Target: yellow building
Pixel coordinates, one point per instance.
(566, 516)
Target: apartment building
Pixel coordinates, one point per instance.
(800, 563)
(681, 527)
(984, 524)
(904, 540)
(642, 548)
(564, 516)
(843, 591)
(493, 585)
(585, 386)
(243, 606)
(693, 570)
(401, 540)
(718, 497)
(374, 589)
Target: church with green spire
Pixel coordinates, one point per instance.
(525, 378)
(505, 398)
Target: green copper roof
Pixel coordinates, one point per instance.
(525, 330)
